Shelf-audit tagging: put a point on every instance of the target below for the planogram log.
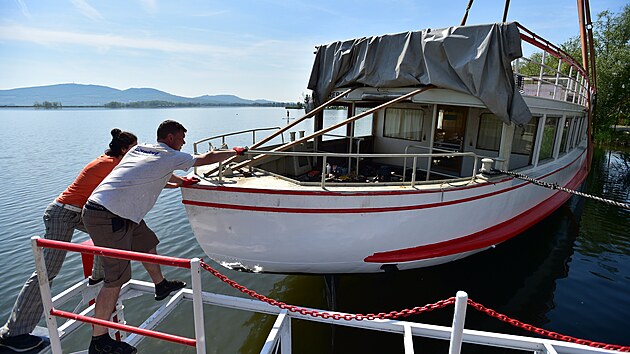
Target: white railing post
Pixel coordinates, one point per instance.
(582, 100)
(413, 173)
(408, 339)
(542, 73)
(576, 88)
(459, 316)
(285, 337)
(555, 88)
(44, 288)
(200, 333)
(324, 170)
(569, 83)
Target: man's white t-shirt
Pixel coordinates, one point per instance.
(133, 187)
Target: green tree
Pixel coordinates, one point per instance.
(612, 45)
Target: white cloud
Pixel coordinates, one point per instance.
(87, 10)
(103, 41)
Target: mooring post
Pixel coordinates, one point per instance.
(459, 316)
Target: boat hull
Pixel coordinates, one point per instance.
(367, 230)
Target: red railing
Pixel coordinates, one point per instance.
(121, 254)
(186, 263)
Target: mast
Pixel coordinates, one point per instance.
(505, 10)
(586, 40)
(589, 30)
(470, 2)
(583, 37)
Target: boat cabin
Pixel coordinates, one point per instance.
(417, 112)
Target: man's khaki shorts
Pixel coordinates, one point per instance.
(109, 230)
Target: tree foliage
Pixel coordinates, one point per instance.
(612, 45)
(47, 105)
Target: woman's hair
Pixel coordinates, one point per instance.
(120, 140)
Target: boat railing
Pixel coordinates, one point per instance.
(198, 143)
(253, 132)
(575, 84)
(280, 335)
(352, 139)
(428, 170)
(565, 87)
(325, 156)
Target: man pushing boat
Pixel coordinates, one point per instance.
(113, 216)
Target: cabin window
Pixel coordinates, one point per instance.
(524, 137)
(583, 128)
(548, 139)
(576, 133)
(403, 123)
(489, 136)
(565, 134)
(363, 126)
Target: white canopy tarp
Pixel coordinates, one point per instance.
(470, 59)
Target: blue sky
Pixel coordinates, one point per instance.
(252, 49)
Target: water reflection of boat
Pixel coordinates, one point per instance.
(410, 193)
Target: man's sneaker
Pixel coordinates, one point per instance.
(21, 343)
(166, 287)
(105, 344)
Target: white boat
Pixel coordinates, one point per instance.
(409, 193)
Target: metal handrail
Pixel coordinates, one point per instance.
(549, 48)
(352, 138)
(558, 78)
(50, 311)
(326, 155)
(223, 136)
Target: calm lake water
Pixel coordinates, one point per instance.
(569, 274)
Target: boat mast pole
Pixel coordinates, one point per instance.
(505, 10)
(470, 2)
(588, 47)
(591, 44)
(583, 37)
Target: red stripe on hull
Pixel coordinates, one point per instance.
(485, 238)
(346, 210)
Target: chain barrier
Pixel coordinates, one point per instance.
(325, 315)
(553, 335)
(555, 186)
(408, 312)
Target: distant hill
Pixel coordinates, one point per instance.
(95, 95)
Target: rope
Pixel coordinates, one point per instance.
(555, 186)
(408, 312)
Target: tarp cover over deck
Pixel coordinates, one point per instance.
(470, 59)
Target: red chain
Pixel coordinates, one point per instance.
(544, 332)
(407, 312)
(325, 315)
